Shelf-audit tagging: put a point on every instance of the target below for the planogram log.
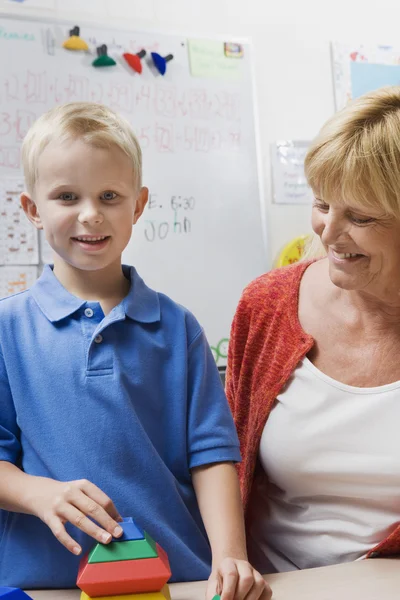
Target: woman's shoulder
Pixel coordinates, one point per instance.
(281, 283)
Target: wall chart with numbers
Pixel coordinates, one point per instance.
(202, 237)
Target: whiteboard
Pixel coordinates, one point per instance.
(202, 237)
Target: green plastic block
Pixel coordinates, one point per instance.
(130, 550)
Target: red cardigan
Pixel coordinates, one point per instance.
(266, 344)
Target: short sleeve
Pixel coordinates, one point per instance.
(212, 435)
(10, 447)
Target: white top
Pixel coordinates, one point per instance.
(332, 455)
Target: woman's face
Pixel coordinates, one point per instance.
(363, 246)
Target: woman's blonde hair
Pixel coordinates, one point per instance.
(93, 123)
(356, 156)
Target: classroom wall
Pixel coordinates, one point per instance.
(292, 58)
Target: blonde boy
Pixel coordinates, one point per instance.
(110, 403)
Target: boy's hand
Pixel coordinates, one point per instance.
(57, 503)
(237, 580)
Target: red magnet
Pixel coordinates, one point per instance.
(134, 60)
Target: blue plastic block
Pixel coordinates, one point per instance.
(9, 593)
(131, 531)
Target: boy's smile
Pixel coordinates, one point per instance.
(86, 199)
(91, 243)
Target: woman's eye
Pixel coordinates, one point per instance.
(358, 221)
(67, 196)
(323, 207)
(109, 195)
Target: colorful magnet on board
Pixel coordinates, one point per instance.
(11, 593)
(103, 60)
(74, 42)
(134, 60)
(233, 50)
(160, 62)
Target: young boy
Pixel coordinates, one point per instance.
(110, 402)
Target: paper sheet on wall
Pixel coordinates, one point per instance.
(359, 68)
(207, 58)
(16, 279)
(289, 182)
(18, 237)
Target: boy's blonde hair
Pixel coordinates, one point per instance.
(356, 156)
(93, 123)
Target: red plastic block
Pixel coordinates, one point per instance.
(124, 577)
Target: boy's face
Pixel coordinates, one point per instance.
(86, 200)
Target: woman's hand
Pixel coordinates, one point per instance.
(236, 579)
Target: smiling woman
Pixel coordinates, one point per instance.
(313, 374)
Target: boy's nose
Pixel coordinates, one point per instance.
(90, 213)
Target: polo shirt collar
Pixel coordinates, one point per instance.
(141, 304)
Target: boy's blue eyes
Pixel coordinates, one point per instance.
(70, 197)
(67, 197)
(109, 195)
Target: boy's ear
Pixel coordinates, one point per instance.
(141, 202)
(31, 211)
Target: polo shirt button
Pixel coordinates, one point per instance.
(98, 339)
(88, 312)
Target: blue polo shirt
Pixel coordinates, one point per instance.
(130, 401)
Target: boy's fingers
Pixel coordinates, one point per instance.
(92, 491)
(94, 503)
(81, 513)
(229, 575)
(62, 536)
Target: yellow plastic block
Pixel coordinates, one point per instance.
(163, 594)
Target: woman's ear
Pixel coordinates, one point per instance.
(31, 210)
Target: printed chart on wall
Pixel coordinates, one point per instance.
(19, 253)
(202, 237)
(358, 69)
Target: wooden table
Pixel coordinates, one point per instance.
(375, 579)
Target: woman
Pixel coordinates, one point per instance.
(314, 372)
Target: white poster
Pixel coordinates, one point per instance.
(289, 182)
